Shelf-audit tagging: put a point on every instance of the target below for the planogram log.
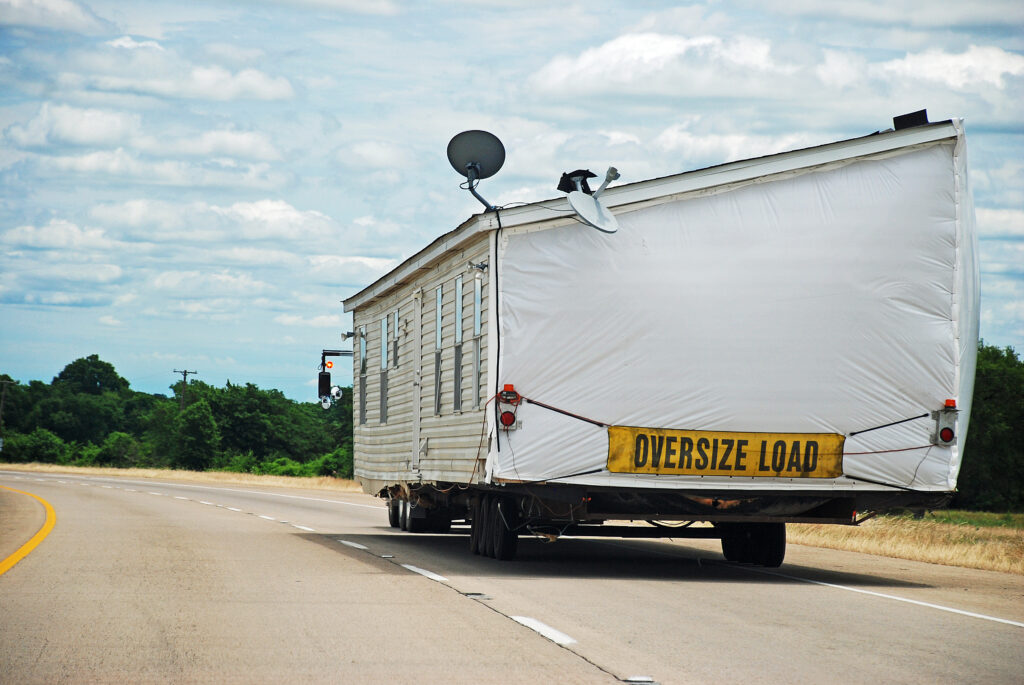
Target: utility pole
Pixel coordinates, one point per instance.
(184, 385)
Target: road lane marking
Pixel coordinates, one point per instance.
(556, 636)
(205, 502)
(22, 552)
(303, 528)
(269, 518)
(353, 544)
(158, 494)
(885, 596)
(233, 508)
(426, 573)
(180, 497)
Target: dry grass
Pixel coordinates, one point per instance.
(225, 477)
(990, 548)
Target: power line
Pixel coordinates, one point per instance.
(184, 387)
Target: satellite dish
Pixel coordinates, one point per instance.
(476, 155)
(592, 212)
(478, 149)
(587, 205)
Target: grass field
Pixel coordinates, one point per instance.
(992, 542)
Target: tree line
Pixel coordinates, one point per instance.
(89, 416)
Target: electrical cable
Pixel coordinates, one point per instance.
(886, 425)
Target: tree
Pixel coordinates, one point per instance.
(90, 375)
(40, 445)
(198, 439)
(992, 474)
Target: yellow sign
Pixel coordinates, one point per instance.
(714, 453)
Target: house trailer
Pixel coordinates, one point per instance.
(790, 338)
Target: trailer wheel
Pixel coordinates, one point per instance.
(417, 524)
(403, 514)
(394, 515)
(771, 548)
(487, 531)
(732, 542)
(504, 520)
(475, 526)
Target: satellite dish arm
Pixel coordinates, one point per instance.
(473, 173)
(611, 175)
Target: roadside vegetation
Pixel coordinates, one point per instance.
(88, 416)
(992, 542)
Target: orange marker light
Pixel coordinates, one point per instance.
(329, 365)
(951, 404)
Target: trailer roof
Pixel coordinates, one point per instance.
(655, 191)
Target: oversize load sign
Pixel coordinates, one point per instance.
(713, 453)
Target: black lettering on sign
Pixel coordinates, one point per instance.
(714, 454)
(670, 451)
(779, 455)
(702, 453)
(811, 456)
(640, 451)
(723, 465)
(741, 456)
(657, 446)
(686, 452)
(794, 457)
(763, 464)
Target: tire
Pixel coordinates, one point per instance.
(505, 519)
(732, 543)
(475, 526)
(403, 514)
(394, 515)
(487, 531)
(440, 522)
(416, 524)
(771, 545)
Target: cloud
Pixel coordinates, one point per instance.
(916, 13)
(376, 154)
(657, 63)
(382, 7)
(56, 124)
(201, 83)
(62, 15)
(130, 43)
(57, 234)
(973, 69)
(717, 148)
(1005, 224)
(224, 142)
(120, 163)
(206, 284)
(322, 321)
(234, 53)
(108, 320)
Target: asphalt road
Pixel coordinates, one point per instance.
(144, 581)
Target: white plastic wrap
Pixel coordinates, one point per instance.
(826, 301)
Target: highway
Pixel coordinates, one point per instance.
(165, 581)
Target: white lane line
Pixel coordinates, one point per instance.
(892, 597)
(180, 497)
(108, 487)
(556, 636)
(158, 494)
(303, 528)
(426, 573)
(353, 544)
(205, 502)
(62, 481)
(130, 490)
(233, 508)
(269, 518)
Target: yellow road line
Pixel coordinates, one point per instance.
(51, 521)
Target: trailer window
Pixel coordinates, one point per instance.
(458, 310)
(394, 354)
(384, 343)
(384, 370)
(362, 375)
(437, 355)
(477, 302)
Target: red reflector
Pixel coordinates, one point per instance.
(946, 435)
(507, 418)
(951, 404)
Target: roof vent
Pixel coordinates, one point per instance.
(918, 118)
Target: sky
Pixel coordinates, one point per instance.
(198, 185)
